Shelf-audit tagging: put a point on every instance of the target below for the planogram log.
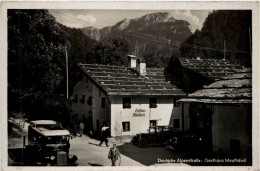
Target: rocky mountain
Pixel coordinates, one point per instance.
(153, 33)
(91, 32)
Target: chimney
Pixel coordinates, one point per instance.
(141, 67)
(131, 61)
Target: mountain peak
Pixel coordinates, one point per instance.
(157, 17)
(123, 24)
(159, 25)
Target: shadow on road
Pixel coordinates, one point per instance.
(147, 156)
(151, 155)
(93, 144)
(93, 164)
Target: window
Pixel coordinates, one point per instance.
(126, 126)
(103, 102)
(152, 102)
(104, 122)
(76, 98)
(175, 103)
(82, 100)
(126, 102)
(176, 123)
(153, 123)
(97, 124)
(89, 100)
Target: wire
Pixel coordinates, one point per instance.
(185, 45)
(197, 46)
(76, 18)
(158, 41)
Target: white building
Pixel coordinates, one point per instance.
(128, 99)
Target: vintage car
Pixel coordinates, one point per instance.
(48, 144)
(185, 141)
(157, 135)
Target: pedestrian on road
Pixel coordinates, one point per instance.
(104, 134)
(85, 122)
(81, 127)
(113, 154)
(75, 128)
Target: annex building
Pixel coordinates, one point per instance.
(192, 74)
(129, 99)
(222, 114)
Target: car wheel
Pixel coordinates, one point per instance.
(142, 143)
(12, 156)
(135, 142)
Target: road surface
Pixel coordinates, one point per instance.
(90, 154)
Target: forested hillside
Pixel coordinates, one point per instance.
(231, 26)
(36, 60)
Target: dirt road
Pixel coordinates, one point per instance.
(90, 154)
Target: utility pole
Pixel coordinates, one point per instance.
(224, 49)
(135, 47)
(250, 43)
(67, 68)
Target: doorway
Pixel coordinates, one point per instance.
(201, 123)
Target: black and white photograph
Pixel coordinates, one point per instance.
(129, 87)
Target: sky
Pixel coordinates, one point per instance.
(103, 18)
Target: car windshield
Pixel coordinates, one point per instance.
(167, 129)
(159, 129)
(57, 139)
(49, 126)
(155, 129)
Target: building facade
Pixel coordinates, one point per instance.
(128, 99)
(222, 114)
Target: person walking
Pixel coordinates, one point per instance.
(104, 135)
(81, 127)
(114, 154)
(75, 128)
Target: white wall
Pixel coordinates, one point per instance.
(83, 87)
(87, 88)
(102, 114)
(163, 114)
(114, 114)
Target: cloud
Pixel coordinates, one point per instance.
(194, 21)
(87, 18)
(70, 20)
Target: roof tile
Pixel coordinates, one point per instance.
(126, 81)
(211, 68)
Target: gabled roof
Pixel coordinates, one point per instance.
(120, 80)
(236, 88)
(214, 69)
